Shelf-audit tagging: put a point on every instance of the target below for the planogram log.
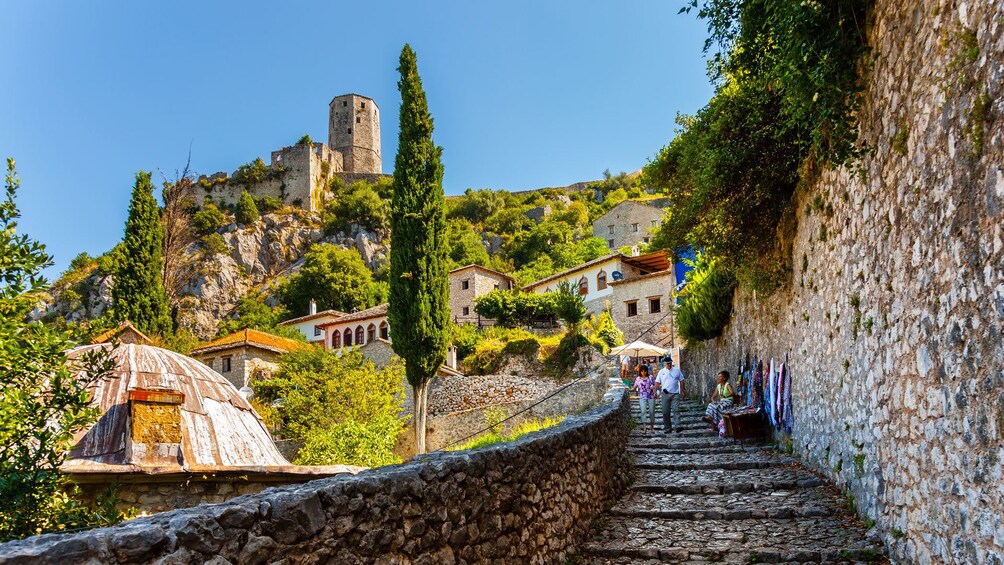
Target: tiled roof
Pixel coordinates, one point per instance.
(252, 338)
(308, 317)
(374, 312)
(668, 272)
(573, 270)
(480, 268)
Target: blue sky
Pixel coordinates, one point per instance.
(524, 93)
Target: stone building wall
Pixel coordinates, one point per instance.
(531, 500)
(652, 325)
(245, 363)
(301, 174)
(894, 320)
(617, 226)
(479, 283)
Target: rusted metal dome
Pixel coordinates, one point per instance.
(163, 412)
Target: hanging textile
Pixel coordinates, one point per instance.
(758, 384)
(779, 412)
(789, 419)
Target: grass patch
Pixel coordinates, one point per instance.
(500, 436)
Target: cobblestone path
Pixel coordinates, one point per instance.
(698, 499)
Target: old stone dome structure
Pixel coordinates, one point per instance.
(163, 412)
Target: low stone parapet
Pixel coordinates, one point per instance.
(530, 500)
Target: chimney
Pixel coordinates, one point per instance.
(451, 357)
(313, 306)
(155, 426)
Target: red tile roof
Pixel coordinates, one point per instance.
(252, 338)
(374, 312)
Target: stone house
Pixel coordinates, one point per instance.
(468, 283)
(637, 289)
(642, 308)
(357, 328)
(629, 223)
(312, 325)
(299, 174)
(246, 354)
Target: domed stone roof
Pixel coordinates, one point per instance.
(218, 428)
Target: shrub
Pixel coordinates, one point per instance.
(305, 140)
(512, 307)
(253, 172)
(208, 219)
(337, 278)
(369, 443)
(466, 338)
(569, 306)
(267, 204)
(247, 211)
(213, 244)
(358, 203)
(705, 301)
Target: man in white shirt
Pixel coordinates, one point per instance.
(671, 386)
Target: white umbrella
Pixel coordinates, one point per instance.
(640, 349)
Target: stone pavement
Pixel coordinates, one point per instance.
(698, 499)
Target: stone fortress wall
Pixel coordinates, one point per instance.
(299, 174)
(531, 500)
(895, 317)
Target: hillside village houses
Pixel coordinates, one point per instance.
(628, 224)
(312, 325)
(245, 355)
(639, 291)
(470, 282)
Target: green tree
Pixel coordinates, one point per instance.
(208, 219)
(343, 408)
(337, 278)
(466, 247)
(419, 311)
(247, 211)
(569, 306)
(252, 312)
(138, 294)
(43, 399)
(359, 203)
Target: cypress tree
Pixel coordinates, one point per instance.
(138, 294)
(418, 312)
(247, 211)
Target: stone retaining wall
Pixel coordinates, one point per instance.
(895, 315)
(530, 500)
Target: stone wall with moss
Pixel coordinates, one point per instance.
(894, 318)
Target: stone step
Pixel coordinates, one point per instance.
(637, 448)
(704, 461)
(795, 503)
(802, 540)
(721, 481)
(662, 441)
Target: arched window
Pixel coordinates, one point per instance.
(583, 286)
(336, 339)
(347, 337)
(370, 333)
(601, 280)
(360, 335)
(384, 330)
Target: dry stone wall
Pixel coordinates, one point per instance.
(895, 316)
(530, 500)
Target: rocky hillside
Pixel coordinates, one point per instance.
(214, 280)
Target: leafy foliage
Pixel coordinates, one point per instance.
(511, 308)
(342, 407)
(252, 312)
(253, 172)
(43, 401)
(138, 294)
(208, 218)
(359, 203)
(787, 76)
(337, 278)
(569, 306)
(705, 301)
(247, 210)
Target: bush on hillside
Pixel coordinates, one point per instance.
(208, 218)
(247, 211)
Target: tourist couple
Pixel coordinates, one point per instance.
(669, 385)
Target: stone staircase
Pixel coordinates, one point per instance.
(698, 499)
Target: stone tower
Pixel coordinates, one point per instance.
(354, 131)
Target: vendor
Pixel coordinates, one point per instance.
(721, 399)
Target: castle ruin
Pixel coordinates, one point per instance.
(300, 174)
